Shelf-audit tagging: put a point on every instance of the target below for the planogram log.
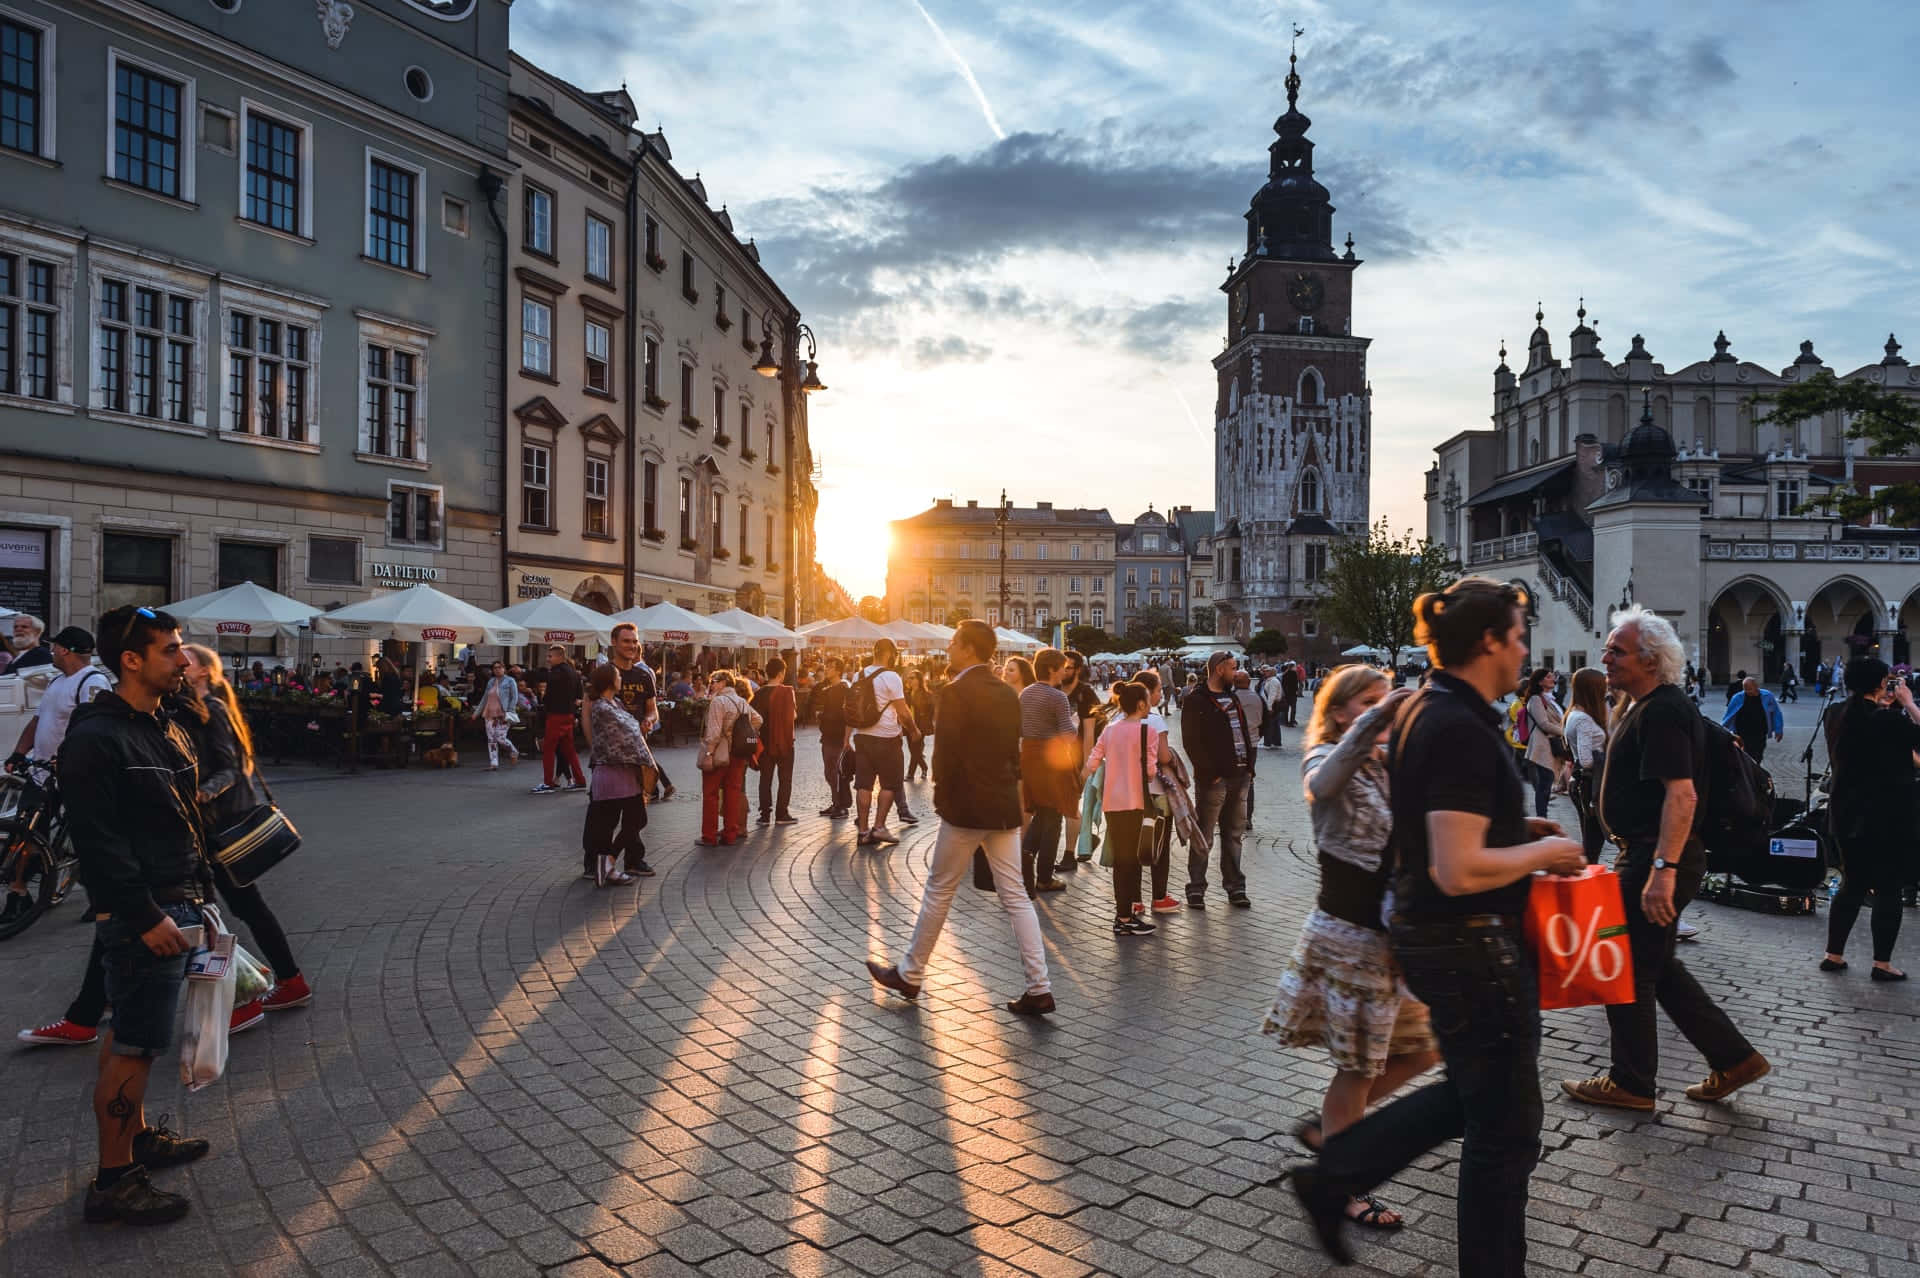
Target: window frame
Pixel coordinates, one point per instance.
(589, 496)
(26, 245)
(530, 304)
(411, 339)
(418, 264)
(258, 304)
(529, 189)
(303, 211)
(187, 141)
(592, 219)
(439, 514)
(587, 324)
(139, 272)
(359, 561)
(687, 495)
(47, 102)
(538, 457)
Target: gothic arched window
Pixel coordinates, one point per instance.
(1310, 391)
(1310, 493)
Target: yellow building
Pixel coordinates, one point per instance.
(946, 563)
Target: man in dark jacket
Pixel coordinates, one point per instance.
(559, 698)
(976, 791)
(776, 705)
(128, 774)
(1220, 744)
(830, 702)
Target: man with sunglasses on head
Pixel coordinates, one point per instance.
(129, 777)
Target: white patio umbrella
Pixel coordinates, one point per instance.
(1014, 641)
(418, 614)
(1365, 650)
(552, 619)
(244, 611)
(912, 636)
(757, 631)
(670, 623)
(848, 632)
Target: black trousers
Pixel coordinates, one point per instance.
(1038, 847)
(1869, 867)
(916, 755)
(1662, 982)
(1756, 747)
(1592, 835)
(770, 763)
(1483, 997)
(613, 829)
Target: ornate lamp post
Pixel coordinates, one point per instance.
(795, 386)
(1000, 519)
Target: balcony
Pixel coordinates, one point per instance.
(1501, 549)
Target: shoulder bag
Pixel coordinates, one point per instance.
(1556, 742)
(257, 842)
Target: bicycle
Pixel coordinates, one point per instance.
(37, 852)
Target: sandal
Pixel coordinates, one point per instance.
(1374, 1215)
(1306, 1134)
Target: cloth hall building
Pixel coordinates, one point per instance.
(1606, 481)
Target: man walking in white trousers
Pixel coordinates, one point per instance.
(976, 792)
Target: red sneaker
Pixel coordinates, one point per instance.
(62, 1033)
(1166, 905)
(246, 1016)
(293, 992)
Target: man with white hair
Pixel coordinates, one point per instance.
(29, 643)
(1651, 808)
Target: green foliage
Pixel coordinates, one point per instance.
(1372, 581)
(1889, 420)
(873, 608)
(1204, 620)
(1091, 639)
(1155, 626)
(1267, 643)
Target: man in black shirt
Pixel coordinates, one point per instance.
(1465, 849)
(830, 703)
(1219, 744)
(1651, 808)
(559, 698)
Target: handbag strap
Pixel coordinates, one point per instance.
(1144, 732)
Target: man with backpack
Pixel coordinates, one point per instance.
(877, 711)
(1656, 791)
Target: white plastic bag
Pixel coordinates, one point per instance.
(203, 1040)
(251, 978)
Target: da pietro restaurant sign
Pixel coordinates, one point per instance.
(399, 576)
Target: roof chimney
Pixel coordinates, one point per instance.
(943, 503)
(1043, 505)
(973, 505)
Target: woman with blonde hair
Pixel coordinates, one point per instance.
(1586, 729)
(723, 775)
(1341, 988)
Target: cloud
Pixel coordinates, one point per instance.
(953, 349)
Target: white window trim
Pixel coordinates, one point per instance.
(189, 122)
(586, 268)
(528, 188)
(63, 252)
(448, 202)
(391, 331)
(526, 300)
(49, 92)
(526, 487)
(440, 506)
(420, 204)
(102, 262)
(305, 313)
(247, 107)
(587, 496)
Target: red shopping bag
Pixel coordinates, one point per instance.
(1578, 929)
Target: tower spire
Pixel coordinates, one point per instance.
(1293, 69)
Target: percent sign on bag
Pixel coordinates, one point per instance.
(1595, 950)
(1578, 927)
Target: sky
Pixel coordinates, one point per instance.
(1007, 223)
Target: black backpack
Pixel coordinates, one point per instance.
(1738, 805)
(863, 705)
(745, 743)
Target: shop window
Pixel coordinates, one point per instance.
(135, 569)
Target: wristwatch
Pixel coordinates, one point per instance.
(1661, 863)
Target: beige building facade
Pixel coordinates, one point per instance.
(945, 564)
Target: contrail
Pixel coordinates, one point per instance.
(1184, 407)
(966, 72)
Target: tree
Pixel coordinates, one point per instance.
(1369, 587)
(873, 608)
(1267, 643)
(1887, 418)
(1090, 639)
(1204, 620)
(1155, 627)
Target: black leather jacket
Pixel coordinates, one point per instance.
(127, 779)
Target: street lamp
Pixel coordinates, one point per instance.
(795, 388)
(768, 366)
(1000, 519)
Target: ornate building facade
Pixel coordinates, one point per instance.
(946, 564)
(1292, 422)
(1695, 511)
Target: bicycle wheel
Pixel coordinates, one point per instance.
(42, 878)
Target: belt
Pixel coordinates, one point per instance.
(1463, 921)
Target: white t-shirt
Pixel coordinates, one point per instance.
(57, 704)
(1158, 723)
(887, 688)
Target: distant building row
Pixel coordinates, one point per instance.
(341, 304)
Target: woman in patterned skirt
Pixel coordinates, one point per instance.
(1341, 989)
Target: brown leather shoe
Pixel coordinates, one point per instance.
(1604, 1091)
(1721, 1084)
(1031, 1005)
(890, 978)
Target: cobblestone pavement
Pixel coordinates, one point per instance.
(506, 1071)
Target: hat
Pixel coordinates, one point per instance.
(74, 639)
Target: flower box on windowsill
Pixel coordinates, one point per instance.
(688, 543)
(722, 440)
(773, 468)
(656, 263)
(689, 421)
(746, 561)
(773, 568)
(746, 341)
(691, 294)
(655, 534)
(747, 454)
(721, 321)
(654, 402)
(721, 552)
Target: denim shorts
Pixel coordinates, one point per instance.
(143, 988)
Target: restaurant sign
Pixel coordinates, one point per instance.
(534, 585)
(400, 576)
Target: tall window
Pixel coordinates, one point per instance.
(720, 409)
(1040, 552)
(536, 337)
(599, 353)
(599, 249)
(146, 351)
(536, 229)
(746, 422)
(1073, 616)
(1315, 566)
(392, 385)
(687, 289)
(771, 462)
(653, 244)
(1073, 585)
(768, 557)
(273, 173)
(1153, 576)
(649, 496)
(28, 321)
(147, 129)
(391, 201)
(1786, 498)
(686, 511)
(746, 537)
(1099, 616)
(686, 396)
(595, 516)
(269, 373)
(1073, 551)
(20, 88)
(650, 370)
(1310, 493)
(413, 515)
(716, 522)
(536, 486)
